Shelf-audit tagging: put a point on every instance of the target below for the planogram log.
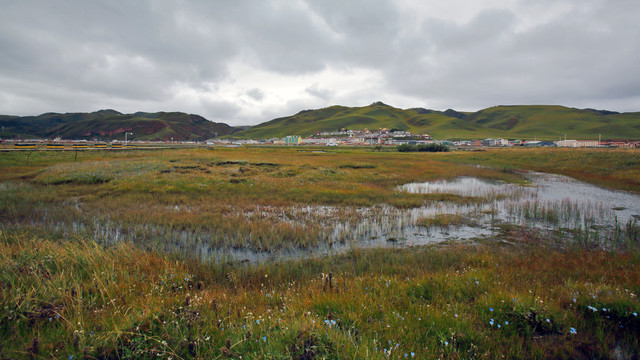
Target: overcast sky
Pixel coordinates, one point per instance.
(248, 61)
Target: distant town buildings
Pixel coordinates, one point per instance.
(365, 137)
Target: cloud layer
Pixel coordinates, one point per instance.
(247, 61)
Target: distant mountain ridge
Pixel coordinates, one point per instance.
(112, 125)
(543, 122)
(515, 121)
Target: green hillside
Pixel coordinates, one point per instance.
(375, 116)
(524, 122)
(110, 125)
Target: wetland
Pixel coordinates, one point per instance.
(279, 253)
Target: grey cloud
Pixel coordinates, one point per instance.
(88, 55)
(256, 94)
(487, 61)
(315, 90)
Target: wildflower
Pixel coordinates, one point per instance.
(258, 322)
(413, 354)
(70, 357)
(491, 322)
(491, 309)
(446, 343)
(506, 323)
(574, 299)
(635, 314)
(572, 331)
(477, 282)
(499, 326)
(548, 320)
(264, 338)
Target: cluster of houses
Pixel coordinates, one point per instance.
(622, 143)
(367, 137)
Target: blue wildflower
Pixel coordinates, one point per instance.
(491, 309)
(572, 330)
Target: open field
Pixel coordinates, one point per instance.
(127, 255)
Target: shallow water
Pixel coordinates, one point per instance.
(547, 201)
(545, 189)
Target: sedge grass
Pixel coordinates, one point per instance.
(75, 298)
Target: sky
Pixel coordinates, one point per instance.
(244, 62)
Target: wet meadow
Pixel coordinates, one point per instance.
(305, 253)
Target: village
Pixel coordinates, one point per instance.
(394, 137)
(342, 137)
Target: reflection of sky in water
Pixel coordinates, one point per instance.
(544, 188)
(468, 186)
(557, 187)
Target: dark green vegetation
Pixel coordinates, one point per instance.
(110, 125)
(69, 288)
(513, 122)
(423, 148)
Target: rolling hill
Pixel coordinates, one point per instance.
(544, 122)
(110, 125)
(521, 121)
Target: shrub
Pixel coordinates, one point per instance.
(423, 148)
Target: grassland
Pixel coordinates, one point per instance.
(514, 122)
(97, 260)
